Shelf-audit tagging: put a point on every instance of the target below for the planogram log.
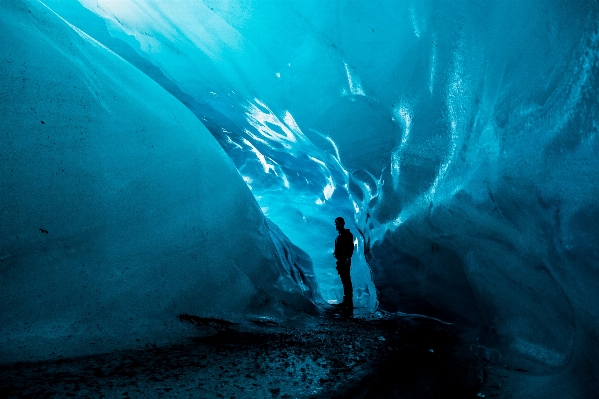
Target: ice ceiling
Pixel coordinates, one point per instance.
(459, 139)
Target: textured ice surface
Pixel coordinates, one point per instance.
(467, 149)
(461, 137)
(206, 63)
(119, 210)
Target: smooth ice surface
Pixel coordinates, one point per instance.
(119, 210)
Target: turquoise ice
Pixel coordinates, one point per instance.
(459, 138)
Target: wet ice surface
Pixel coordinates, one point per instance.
(336, 356)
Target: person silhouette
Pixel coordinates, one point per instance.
(344, 249)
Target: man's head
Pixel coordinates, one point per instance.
(339, 223)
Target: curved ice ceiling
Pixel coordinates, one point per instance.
(300, 185)
(460, 137)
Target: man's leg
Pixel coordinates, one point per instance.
(344, 274)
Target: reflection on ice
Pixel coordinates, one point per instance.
(267, 166)
(414, 21)
(329, 189)
(300, 187)
(270, 126)
(354, 82)
(433, 66)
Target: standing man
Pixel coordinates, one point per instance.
(344, 249)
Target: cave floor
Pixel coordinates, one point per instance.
(337, 357)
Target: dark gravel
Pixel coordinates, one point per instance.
(337, 357)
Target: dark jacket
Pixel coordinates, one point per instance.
(344, 245)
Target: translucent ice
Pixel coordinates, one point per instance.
(118, 209)
(218, 71)
(451, 139)
(461, 137)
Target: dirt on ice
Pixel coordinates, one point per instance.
(373, 356)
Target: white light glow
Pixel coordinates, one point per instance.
(355, 85)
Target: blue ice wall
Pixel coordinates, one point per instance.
(118, 209)
(461, 137)
(300, 186)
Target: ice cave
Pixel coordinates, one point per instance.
(161, 158)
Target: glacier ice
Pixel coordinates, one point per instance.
(294, 180)
(119, 210)
(461, 137)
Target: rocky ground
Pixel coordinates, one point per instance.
(373, 356)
